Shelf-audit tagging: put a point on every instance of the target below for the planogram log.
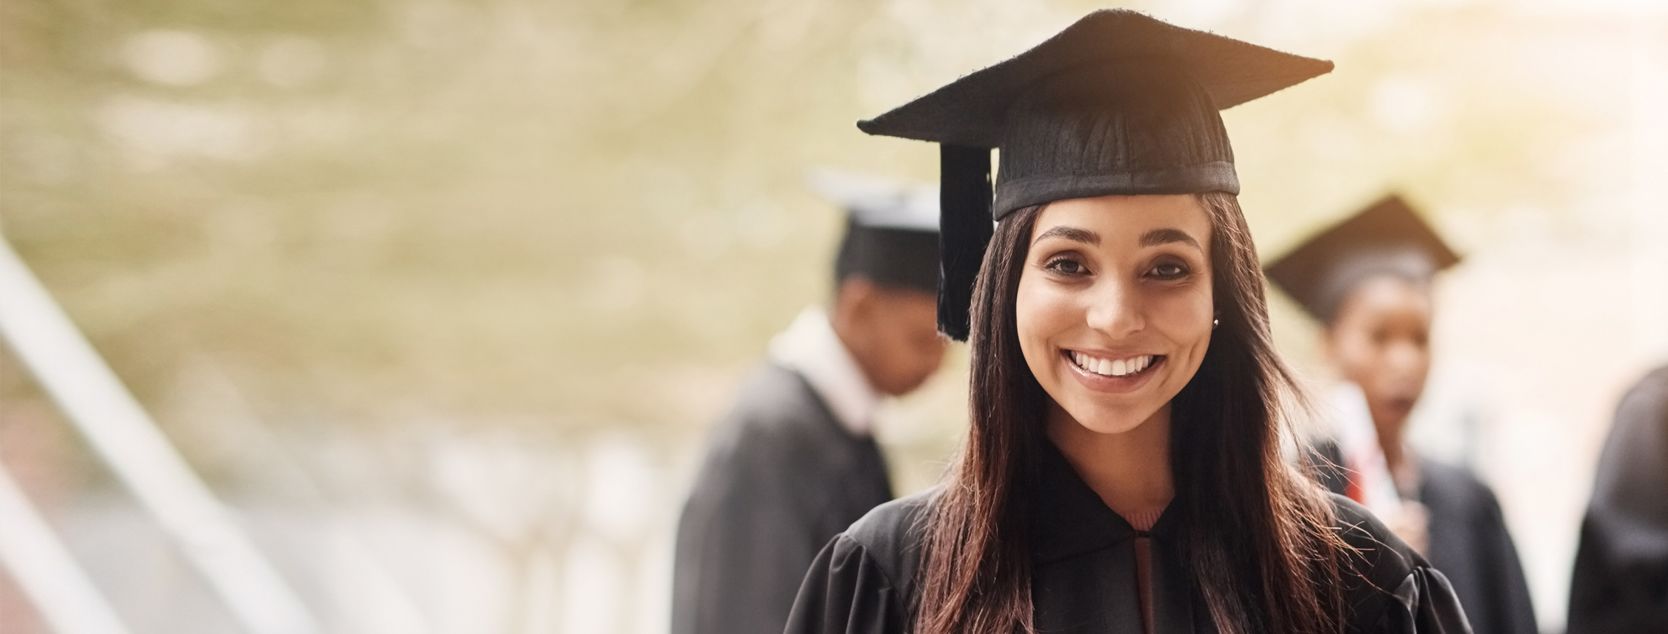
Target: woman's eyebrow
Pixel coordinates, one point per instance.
(1070, 233)
(1167, 235)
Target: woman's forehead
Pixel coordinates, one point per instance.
(1126, 219)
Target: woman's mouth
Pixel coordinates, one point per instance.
(1114, 367)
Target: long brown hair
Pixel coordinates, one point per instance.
(1269, 564)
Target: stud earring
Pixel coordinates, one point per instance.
(1214, 323)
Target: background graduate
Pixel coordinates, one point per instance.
(794, 461)
(1621, 565)
(1122, 471)
(1367, 280)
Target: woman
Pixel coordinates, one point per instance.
(1367, 280)
(1122, 472)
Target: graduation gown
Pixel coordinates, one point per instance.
(780, 478)
(1469, 543)
(1621, 564)
(1083, 571)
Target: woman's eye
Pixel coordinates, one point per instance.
(1168, 271)
(1066, 266)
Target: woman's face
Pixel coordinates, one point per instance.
(1114, 305)
(1380, 340)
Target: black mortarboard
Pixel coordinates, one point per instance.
(891, 234)
(1385, 238)
(1118, 103)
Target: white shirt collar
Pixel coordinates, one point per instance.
(810, 346)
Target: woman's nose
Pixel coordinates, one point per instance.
(1115, 310)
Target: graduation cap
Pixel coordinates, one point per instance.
(1385, 238)
(1118, 103)
(891, 234)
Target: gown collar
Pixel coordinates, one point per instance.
(1069, 519)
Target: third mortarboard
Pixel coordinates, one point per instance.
(1387, 237)
(1118, 103)
(891, 234)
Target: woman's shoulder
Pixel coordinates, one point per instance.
(1389, 586)
(890, 535)
(1377, 549)
(864, 580)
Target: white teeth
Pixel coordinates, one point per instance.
(1112, 367)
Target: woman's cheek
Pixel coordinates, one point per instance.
(1028, 313)
(1036, 306)
(1186, 316)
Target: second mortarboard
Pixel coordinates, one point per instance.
(1385, 238)
(1117, 103)
(891, 232)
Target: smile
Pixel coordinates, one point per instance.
(1114, 367)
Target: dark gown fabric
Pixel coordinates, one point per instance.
(1469, 543)
(779, 479)
(1621, 564)
(1083, 575)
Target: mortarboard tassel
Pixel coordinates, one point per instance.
(964, 232)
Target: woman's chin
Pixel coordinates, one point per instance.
(1109, 420)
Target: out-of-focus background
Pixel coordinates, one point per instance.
(439, 298)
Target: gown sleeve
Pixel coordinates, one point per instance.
(847, 592)
(1392, 589)
(1424, 603)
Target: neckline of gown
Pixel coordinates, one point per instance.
(1069, 518)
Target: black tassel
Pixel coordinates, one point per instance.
(965, 225)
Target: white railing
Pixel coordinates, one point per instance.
(112, 422)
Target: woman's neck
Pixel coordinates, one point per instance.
(1130, 471)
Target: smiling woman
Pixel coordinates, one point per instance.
(1122, 470)
(1114, 306)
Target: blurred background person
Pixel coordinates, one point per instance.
(1367, 280)
(795, 461)
(1621, 565)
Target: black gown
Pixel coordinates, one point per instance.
(779, 479)
(1469, 543)
(1621, 565)
(1083, 573)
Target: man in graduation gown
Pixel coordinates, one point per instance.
(1621, 566)
(794, 462)
(1367, 279)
